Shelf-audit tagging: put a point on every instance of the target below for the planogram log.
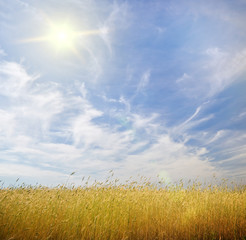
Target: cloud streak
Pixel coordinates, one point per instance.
(43, 114)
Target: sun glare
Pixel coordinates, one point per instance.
(62, 37)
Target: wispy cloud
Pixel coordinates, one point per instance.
(218, 71)
(144, 81)
(117, 19)
(225, 68)
(183, 78)
(2, 52)
(33, 124)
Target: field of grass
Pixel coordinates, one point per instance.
(123, 211)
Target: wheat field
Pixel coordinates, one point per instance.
(123, 211)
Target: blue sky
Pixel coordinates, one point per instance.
(154, 88)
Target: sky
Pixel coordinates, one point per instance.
(152, 88)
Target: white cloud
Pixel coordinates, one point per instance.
(219, 134)
(227, 149)
(144, 81)
(62, 130)
(29, 174)
(181, 131)
(117, 19)
(193, 116)
(160, 30)
(219, 69)
(227, 12)
(14, 79)
(2, 53)
(17, 170)
(225, 68)
(177, 160)
(126, 103)
(6, 124)
(142, 84)
(242, 115)
(183, 78)
(141, 122)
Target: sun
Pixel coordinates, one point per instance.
(63, 36)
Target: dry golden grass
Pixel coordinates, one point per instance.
(132, 211)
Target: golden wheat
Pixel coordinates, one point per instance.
(131, 211)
